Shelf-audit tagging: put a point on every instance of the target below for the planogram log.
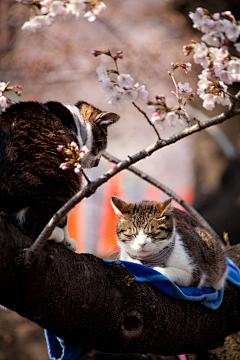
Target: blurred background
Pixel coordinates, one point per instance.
(55, 63)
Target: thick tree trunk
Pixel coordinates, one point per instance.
(85, 301)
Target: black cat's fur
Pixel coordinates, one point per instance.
(32, 186)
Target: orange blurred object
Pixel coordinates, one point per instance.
(107, 236)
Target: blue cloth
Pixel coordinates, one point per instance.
(211, 298)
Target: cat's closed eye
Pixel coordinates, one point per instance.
(160, 235)
(129, 236)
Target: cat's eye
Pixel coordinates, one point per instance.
(129, 236)
(153, 234)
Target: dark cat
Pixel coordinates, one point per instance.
(32, 186)
(171, 241)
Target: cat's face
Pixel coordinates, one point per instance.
(97, 122)
(143, 227)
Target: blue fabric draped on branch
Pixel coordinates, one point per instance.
(211, 298)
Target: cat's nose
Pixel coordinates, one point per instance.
(142, 245)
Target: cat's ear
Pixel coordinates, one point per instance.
(119, 206)
(162, 207)
(107, 118)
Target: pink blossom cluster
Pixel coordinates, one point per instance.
(4, 100)
(219, 67)
(74, 156)
(46, 11)
(121, 88)
(161, 113)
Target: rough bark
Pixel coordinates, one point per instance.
(85, 301)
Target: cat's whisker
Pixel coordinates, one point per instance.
(113, 249)
(113, 252)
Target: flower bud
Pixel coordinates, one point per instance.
(64, 166)
(60, 148)
(96, 52)
(119, 54)
(187, 49)
(191, 96)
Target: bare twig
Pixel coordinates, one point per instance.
(86, 177)
(165, 189)
(234, 101)
(89, 189)
(148, 120)
(175, 84)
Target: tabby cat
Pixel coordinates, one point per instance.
(32, 186)
(170, 241)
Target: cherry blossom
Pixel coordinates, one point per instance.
(125, 81)
(200, 56)
(237, 46)
(198, 17)
(184, 88)
(47, 10)
(130, 95)
(3, 101)
(109, 88)
(187, 67)
(158, 117)
(141, 92)
(208, 101)
(234, 69)
(220, 68)
(102, 73)
(232, 31)
(74, 156)
(2, 86)
(118, 87)
(116, 100)
(173, 119)
(223, 99)
(57, 8)
(34, 24)
(210, 39)
(96, 10)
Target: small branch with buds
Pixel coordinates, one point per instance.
(4, 88)
(74, 156)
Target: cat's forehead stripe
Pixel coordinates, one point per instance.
(79, 122)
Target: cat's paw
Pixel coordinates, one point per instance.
(159, 269)
(71, 244)
(57, 235)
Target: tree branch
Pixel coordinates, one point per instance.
(85, 301)
(89, 189)
(165, 189)
(149, 122)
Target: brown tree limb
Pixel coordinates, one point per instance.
(89, 189)
(165, 189)
(85, 301)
